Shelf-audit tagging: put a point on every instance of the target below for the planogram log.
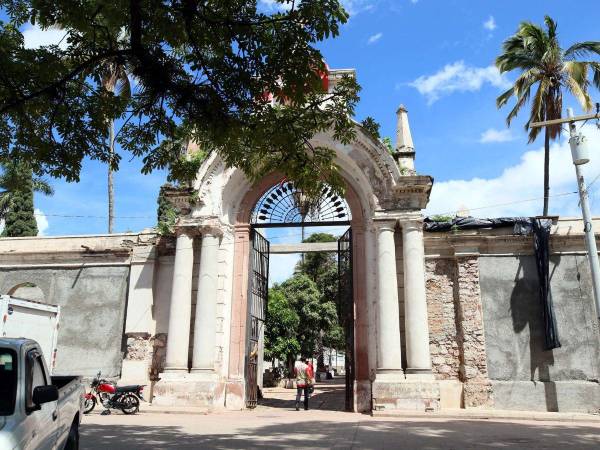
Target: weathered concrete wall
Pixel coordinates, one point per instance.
(92, 301)
(524, 375)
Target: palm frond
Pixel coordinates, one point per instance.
(526, 79)
(504, 97)
(123, 87)
(576, 81)
(596, 70)
(534, 39)
(522, 90)
(516, 60)
(520, 103)
(42, 186)
(551, 26)
(538, 108)
(579, 93)
(583, 49)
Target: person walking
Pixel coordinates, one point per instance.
(304, 375)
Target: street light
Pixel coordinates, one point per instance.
(580, 154)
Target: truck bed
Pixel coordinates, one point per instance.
(62, 381)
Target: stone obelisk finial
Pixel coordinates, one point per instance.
(405, 149)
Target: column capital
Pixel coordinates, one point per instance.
(411, 223)
(385, 223)
(211, 230)
(186, 230)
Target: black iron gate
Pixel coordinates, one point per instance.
(258, 290)
(346, 310)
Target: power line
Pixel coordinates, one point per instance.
(507, 203)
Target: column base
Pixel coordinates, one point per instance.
(203, 374)
(406, 395)
(235, 394)
(189, 389)
(390, 375)
(179, 370)
(419, 374)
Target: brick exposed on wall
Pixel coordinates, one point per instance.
(457, 340)
(445, 353)
(474, 373)
(151, 349)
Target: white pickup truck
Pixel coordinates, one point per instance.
(37, 411)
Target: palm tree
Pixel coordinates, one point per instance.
(17, 185)
(115, 80)
(536, 52)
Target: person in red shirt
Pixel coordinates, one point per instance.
(304, 374)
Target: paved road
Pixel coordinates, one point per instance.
(282, 428)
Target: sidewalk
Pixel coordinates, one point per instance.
(282, 429)
(456, 414)
(496, 414)
(329, 397)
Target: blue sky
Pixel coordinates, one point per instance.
(436, 58)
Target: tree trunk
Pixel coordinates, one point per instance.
(111, 193)
(320, 353)
(290, 366)
(546, 170)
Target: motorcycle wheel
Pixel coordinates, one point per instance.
(89, 405)
(130, 404)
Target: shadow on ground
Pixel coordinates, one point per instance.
(360, 434)
(326, 398)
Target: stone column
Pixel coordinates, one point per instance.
(178, 336)
(389, 355)
(418, 359)
(203, 358)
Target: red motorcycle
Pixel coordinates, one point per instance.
(111, 396)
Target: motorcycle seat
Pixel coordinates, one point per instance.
(129, 388)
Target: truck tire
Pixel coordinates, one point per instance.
(73, 438)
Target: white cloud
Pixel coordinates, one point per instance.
(374, 38)
(35, 37)
(42, 222)
(274, 5)
(354, 7)
(458, 77)
(490, 24)
(491, 135)
(518, 190)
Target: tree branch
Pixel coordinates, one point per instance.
(63, 80)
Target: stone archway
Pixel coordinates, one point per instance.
(238, 347)
(386, 199)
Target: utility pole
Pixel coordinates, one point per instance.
(579, 153)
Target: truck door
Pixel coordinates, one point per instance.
(42, 422)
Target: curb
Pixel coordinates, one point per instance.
(175, 410)
(494, 415)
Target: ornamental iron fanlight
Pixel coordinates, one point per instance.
(285, 204)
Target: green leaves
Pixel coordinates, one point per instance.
(372, 127)
(536, 52)
(203, 71)
(17, 185)
(545, 67)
